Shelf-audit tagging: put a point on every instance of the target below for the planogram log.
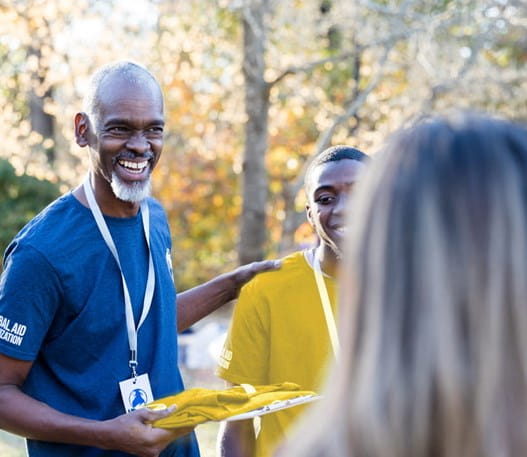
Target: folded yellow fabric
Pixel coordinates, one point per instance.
(198, 405)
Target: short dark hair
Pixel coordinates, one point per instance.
(334, 154)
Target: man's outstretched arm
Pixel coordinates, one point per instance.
(198, 302)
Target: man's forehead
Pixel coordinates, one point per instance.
(327, 174)
(119, 86)
(119, 99)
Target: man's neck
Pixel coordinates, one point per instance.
(328, 260)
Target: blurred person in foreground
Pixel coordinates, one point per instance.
(283, 327)
(433, 301)
(88, 315)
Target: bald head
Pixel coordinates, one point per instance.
(126, 73)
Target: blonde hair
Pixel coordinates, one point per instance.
(433, 301)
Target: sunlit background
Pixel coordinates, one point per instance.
(322, 71)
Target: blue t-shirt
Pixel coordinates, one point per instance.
(62, 307)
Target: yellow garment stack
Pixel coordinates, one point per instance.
(198, 405)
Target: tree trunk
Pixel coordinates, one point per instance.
(41, 121)
(253, 228)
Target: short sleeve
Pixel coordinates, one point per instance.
(29, 297)
(245, 355)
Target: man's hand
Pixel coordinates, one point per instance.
(245, 273)
(134, 434)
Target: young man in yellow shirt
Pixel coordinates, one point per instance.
(283, 328)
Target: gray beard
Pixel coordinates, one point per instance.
(134, 192)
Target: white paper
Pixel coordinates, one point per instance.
(275, 406)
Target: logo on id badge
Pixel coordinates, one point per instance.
(136, 392)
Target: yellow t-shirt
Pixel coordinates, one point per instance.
(279, 334)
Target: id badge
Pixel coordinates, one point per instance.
(136, 392)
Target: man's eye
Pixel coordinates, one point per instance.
(117, 129)
(155, 131)
(324, 199)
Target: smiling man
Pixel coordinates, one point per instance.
(124, 149)
(87, 296)
(283, 324)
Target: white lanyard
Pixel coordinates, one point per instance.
(150, 282)
(326, 306)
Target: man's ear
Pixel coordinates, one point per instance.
(309, 215)
(82, 129)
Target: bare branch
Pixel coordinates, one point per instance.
(310, 66)
(345, 55)
(405, 11)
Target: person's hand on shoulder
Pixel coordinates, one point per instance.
(198, 302)
(245, 273)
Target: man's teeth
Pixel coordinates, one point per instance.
(134, 167)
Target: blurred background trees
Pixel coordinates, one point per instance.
(253, 89)
(21, 198)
